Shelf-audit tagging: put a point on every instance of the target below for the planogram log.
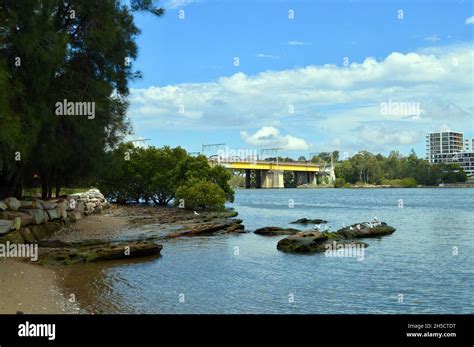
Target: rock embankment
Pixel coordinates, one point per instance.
(32, 220)
(316, 241)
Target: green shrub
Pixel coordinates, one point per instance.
(408, 182)
(339, 183)
(199, 194)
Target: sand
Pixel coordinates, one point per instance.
(31, 289)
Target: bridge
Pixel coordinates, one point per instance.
(269, 174)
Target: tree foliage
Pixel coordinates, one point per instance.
(54, 50)
(398, 170)
(158, 174)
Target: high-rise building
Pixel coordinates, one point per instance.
(442, 145)
(450, 147)
(468, 145)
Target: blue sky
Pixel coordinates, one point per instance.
(292, 88)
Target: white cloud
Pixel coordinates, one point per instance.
(173, 4)
(298, 43)
(335, 98)
(432, 38)
(268, 56)
(380, 136)
(469, 20)
(269, 136)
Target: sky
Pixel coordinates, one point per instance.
(305, 76)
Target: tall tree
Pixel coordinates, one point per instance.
(50, 51)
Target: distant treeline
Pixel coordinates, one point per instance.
(394, 169)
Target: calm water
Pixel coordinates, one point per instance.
(417, 261)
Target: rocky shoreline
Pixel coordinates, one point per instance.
(65, 237)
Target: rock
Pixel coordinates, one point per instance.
(315, 241)
(29, 204)
(303, 242)
(57, 252)
(49, 205)
(309, 221)
(62, 212)
(25, 218)
(46, 216)
(3, 206)
(6, 226)
(80, 206)
(62, 204)
(13, 204)
(273, 231)
(12, 237)
(216, 227)
(53, 214)
(36, 214)
(46, 230)
(74, 215)
(90, 206)
(28, 235)
(366, 229)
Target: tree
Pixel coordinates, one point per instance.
(198, 194)
(55, 50)
(135, 174)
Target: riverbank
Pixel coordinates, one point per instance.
(31, 288)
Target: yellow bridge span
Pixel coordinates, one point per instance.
(269, 165)
(269, 174)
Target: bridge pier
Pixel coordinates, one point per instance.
(313, 178)
(272, 179)
(247, 178)
(258, 179)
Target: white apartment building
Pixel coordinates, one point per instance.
(450, 147)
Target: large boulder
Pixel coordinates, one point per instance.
(316, 242)
(54, 214)
(24, 218)
(303, 242)
(6, 226)
(46, 230)
(366, 229)
(74, 215)
(309, 221)
(274, 231)
(13, 204)
(89, 207)
(29, 204)
(37, 215)
(80, 206)
(12, 237)
(27, 235)
(3, 206)
(49, 205)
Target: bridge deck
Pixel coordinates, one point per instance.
(270, 165)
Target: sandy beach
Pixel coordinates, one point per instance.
(31, 289)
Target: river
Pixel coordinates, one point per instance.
(426, 266)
